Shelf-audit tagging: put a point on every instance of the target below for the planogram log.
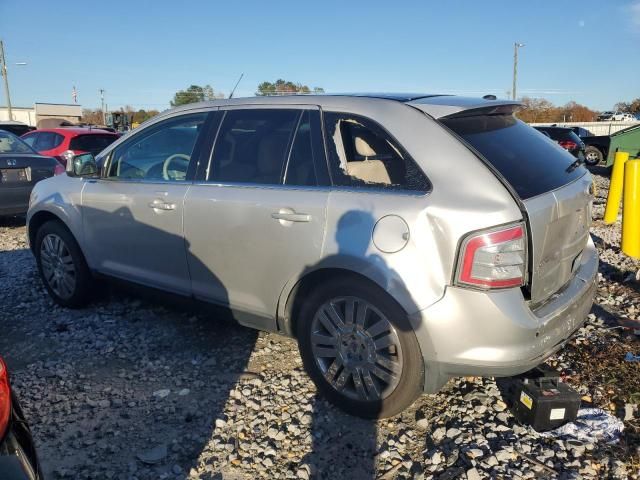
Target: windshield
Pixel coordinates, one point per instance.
(529, 160)
(9, 143)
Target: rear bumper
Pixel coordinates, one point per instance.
(14, 200)
(496, 334)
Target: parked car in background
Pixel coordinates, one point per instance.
(336, 220)
(17, 128)
(596, 146)
(566, 138)
(580, 131)
(18, 460)
(615, 117)
(20, 169)
(65, 142)
(624, 117)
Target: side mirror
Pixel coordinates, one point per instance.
(83, 165)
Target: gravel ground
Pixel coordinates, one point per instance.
(130, 389)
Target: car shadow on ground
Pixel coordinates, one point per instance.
(161, 362)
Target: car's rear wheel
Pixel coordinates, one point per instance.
(359, 349)
(62, 266)
(592, 156)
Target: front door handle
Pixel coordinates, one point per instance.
(162, 205)
(288, 215)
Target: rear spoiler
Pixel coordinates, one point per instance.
(508, 109)
(455, 107)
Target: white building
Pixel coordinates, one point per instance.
(41, 111)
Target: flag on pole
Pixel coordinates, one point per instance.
(74, 94)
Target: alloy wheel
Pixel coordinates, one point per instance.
(58, 268)
(356, 348)
(592, 157)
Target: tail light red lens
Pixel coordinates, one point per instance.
(493, 259)
(568, 144)
(59, 169)
(5, 398)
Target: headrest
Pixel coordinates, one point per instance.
(363, 148)
(270, 148)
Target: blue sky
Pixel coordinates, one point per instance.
(141, 52)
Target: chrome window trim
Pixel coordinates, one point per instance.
(265, 186)
(141, 180)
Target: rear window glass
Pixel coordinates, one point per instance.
(93, 143)
(529, 160)
(560, 134)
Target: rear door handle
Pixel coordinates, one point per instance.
(288, 216)
(162, 205)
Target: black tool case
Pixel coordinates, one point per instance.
(541, 400)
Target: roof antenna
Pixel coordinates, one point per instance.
(234, 88)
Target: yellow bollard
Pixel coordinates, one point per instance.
(631, 209)
(615, 188)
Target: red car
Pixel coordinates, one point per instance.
(64, 143)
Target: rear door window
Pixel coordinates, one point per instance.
(307, 165)
(252, 146)
(529, 160)
(31, 139)
(362, 154)
(93, 143)
(48, 141)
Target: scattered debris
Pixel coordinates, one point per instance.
(592, 425)
(630, 357)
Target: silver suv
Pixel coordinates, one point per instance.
(401, 239)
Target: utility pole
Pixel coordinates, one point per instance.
(6, 80)
(104, 114)
(516, 46)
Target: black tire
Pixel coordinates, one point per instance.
(592, 156)
(411, 378)
(80, 292)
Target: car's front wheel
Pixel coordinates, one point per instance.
(592, 156)
(359, 349)
(62, 266)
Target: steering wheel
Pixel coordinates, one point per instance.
(171, 158)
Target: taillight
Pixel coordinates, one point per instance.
(568, 144)
(5, 398)
(493, 259)
(59, 169)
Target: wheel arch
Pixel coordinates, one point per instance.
(291, 299)
(38, 219)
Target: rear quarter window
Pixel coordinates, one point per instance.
(93, 143)
(47, 141)
(362, 154)
(530, 161)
